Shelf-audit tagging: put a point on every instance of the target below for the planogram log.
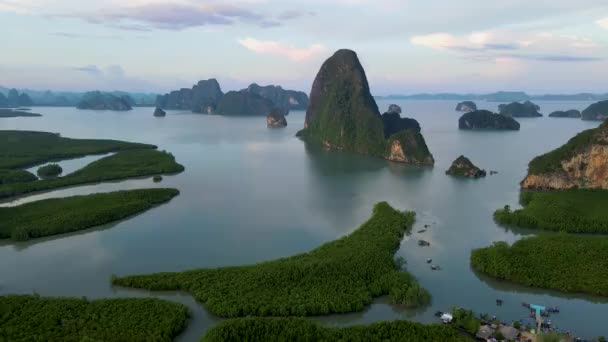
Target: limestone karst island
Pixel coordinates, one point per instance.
(307, 171)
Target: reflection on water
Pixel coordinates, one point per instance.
(70, 165)
(130, 184)
(507, 286)
(251, 194)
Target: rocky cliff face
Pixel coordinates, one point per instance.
(205, 96)
(276, 119)
(394, 123)
(202, 98)
(3, 101)
(96, 100)
(284, 100)
(597, 111)
(15, 99)
(463, 167)
(158, 112)
(244, 103)
(408, 146)
(342, 114)
(466, 106)
(581, 163)
(341, 110)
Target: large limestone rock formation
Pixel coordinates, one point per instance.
(342, 114)
(597, 111)
(284, 100)
(486, 120)
(581, 163)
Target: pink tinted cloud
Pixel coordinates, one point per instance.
(275, 48)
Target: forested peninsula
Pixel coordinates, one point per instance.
(62, 215)
(337, 277)
(299, 329)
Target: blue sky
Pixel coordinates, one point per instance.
(407, 46)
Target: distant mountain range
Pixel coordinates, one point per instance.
(65, 98)
(72, 99)
(501, 96)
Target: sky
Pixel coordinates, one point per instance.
(406, 47)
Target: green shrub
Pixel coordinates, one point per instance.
(49, 171)
(466, 320)
(256, 329)
(337, 277)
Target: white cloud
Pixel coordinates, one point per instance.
(19, 6)
(275, 48)
(435, 40)
(603, 23)
(481, 40)
(488, 42)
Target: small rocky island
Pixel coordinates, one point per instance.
(572, 113)
(343, 115)
(520, 110)
(463, 167)
(276, 119)
(597, 111)
(96, 100)
(486, 120)
(159, 113)
(394, 123)
(466, 107)
(14, 113)
(581, 163)
(208, 98)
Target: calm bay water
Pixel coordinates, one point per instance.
(251, 194)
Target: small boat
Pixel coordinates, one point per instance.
(422, 231)
(423, 243)
(435, 267)
(428, 261)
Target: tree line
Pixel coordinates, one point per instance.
(564, 262)
(255, 329)
(63, 215)
(572, 211)
(26, 318)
